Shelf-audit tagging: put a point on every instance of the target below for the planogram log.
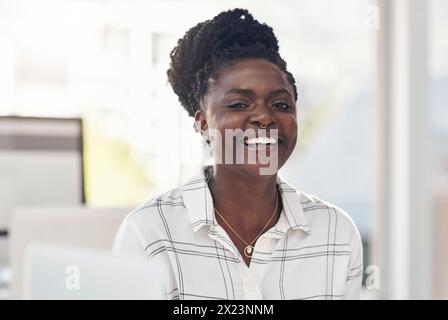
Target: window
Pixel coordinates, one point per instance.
(106, 62)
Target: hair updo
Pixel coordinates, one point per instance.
(211, 44)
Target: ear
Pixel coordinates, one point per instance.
(201, 125)
(200, 121)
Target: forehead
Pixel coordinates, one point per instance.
(256, 74)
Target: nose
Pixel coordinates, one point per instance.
(262, 117)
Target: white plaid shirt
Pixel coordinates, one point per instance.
(313, 252)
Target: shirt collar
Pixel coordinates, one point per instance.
(199, 203)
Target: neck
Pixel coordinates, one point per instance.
(246, 201)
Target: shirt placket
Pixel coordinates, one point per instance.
(217, 233)
(253, 275)
(255, 272)
(250, 277)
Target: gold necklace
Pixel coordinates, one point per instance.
(248, 250)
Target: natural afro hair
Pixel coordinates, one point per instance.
(208, 46)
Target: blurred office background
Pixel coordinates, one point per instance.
(89, 124)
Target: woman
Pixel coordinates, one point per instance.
(235, 231)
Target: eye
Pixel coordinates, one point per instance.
(282, 105)
(238, 105)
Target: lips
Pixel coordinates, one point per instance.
(262, 141)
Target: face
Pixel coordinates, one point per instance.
(245, 94)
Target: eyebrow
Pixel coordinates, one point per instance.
(248, 92)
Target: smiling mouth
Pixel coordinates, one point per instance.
(262, 142)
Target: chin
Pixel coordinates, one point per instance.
(263, 162)
(255, 161)
(258, 169)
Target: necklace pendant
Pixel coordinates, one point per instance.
(248, 251)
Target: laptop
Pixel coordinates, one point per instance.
(71, 273)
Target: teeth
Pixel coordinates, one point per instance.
(261, 140)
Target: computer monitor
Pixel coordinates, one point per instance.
(84, 227)
(41, 163)
(70, 273)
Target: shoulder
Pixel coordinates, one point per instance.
(327, 217)
(149, 224)
(154, 218)
(162, 203)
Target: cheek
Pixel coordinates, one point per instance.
(290, 127)
(233, 120)
(230, 121)
(222, 121)
(221, 118)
